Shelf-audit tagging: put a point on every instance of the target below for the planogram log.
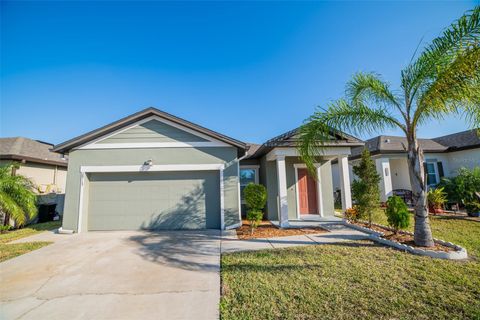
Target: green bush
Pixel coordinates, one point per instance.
(255, 198)
(4, 229)
(397, 213)
(473, 208)
(461, 189)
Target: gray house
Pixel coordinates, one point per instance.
(152, 170)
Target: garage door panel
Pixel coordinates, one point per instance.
(169, 200)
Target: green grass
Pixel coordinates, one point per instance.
(10, 250)
(350, 281)
(461, 231)
(359, 280)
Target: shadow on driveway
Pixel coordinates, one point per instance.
(190, 250)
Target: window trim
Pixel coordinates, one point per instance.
(435, 168)
(257, 178)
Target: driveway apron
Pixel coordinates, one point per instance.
(116, 275)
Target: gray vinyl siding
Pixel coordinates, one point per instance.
(154, 200)
(122, 157)
(153, 131)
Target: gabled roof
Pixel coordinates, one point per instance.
(24, 149)
(394, 144)
(290, 139)
(66, 146)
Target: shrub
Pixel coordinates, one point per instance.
(365, 191)
(462, 188)
(4, 229)
(397, 213)
(473, 208)
(255, 199)
(351, 214)
(437, 198)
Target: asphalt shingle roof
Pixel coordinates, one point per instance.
(394, 144)
(20, 148)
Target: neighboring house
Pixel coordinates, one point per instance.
(37, 161)
(152, 170)
(443, 157)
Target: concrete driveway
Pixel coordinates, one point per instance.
(115, 275)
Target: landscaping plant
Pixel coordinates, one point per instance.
(441, 79)
(255, 198)
(351, 214)
(437, 199)
(397, 213)
(365, 190)
(461, 188)
(17, 200)
(473, 208)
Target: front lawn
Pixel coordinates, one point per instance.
(8, 251)
(355, 281)
(359, 280)
(463, 231)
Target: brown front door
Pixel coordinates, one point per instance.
(307, 192)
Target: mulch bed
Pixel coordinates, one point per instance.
(403, 238)
(267, 230)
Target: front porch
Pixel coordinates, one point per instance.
(299, 196)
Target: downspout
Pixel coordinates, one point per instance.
(239, 195)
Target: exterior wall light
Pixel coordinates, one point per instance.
(148, 162)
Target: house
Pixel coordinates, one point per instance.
(443, 157)
(46, 169)
(153, 170)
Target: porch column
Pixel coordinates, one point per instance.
(383, 169)
(282, 191)
(345, 182)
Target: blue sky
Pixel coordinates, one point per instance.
(248, 70)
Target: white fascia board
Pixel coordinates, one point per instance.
(293, 152)
(148, 145)
(153, 168)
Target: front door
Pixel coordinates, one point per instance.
(307, 192)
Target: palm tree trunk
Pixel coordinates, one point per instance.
(422, 232)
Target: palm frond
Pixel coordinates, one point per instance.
(339, 117)
(367, 88)
(460, 36)
(16, 196)
(456, 90)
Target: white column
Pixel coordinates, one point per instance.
(344, 174)
(282, 191)
(383, 169)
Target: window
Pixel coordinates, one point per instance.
(431, 173)
(247, 175)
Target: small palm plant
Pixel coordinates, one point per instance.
(17, 200)
(443, 79)
(437, 199)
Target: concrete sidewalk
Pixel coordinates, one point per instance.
(338, 233)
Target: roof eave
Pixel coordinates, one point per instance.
(66, 146)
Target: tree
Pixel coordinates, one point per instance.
(443, 79)
(17, 200)
(366, 191)
(255, 198)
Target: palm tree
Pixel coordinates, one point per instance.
(443, 79)
(17, 200)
